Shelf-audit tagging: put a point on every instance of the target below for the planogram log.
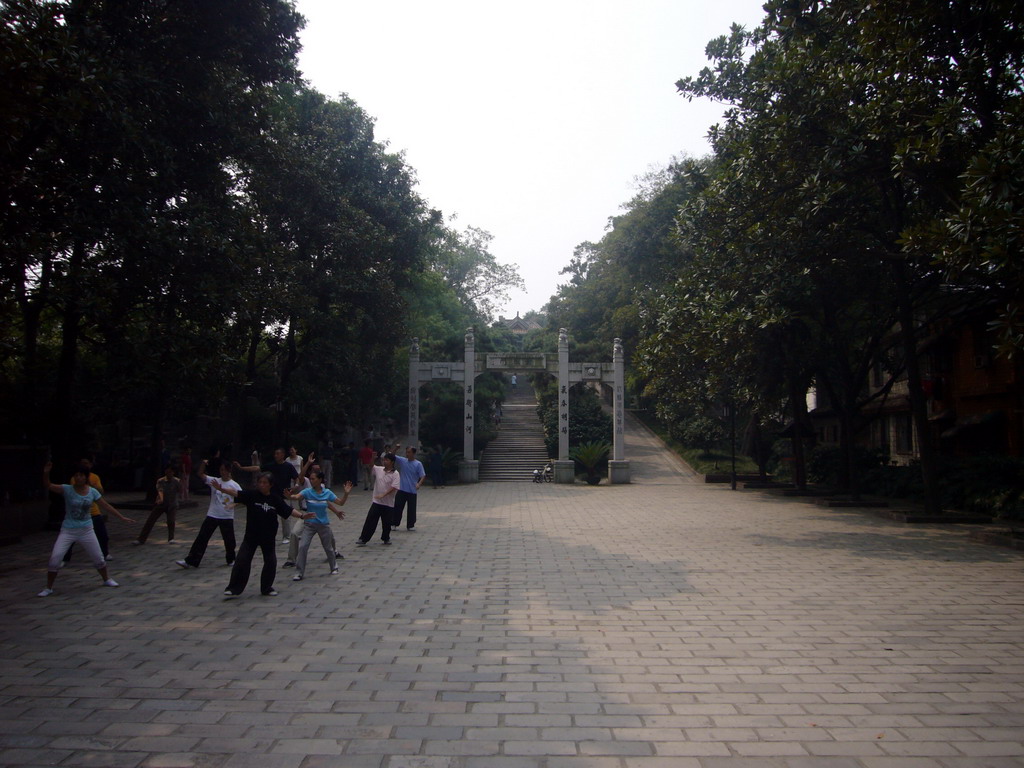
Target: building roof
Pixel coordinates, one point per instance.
(519, 324)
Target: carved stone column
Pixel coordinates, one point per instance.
(565, 468)
(618, 467)
(469, 468)
(414, 393)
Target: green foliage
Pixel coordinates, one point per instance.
(592, 457)
(450, 460)
(826, 464)
(588, 423)
(844, 153)
(471, 273)
(985, 484)
(700, 431)
(191, 235)
(609, 281)
(442, 419)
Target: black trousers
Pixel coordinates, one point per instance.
(403, 498)
(377, 512)
(211, 524)
(243, 563)
(158, 509)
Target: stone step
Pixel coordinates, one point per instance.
(518, 449)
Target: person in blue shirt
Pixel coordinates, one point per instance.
(77, 526)
(319, 499)
(412, 475)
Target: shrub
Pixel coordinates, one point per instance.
(825, 464)
(587, 422)
(985, 484)
(592, 457)
(699, 431)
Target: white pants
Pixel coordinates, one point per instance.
(85, 537)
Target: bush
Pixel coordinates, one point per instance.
(587, 422)
(591, 458)
(987, 485)
(896, 482)
(992, 485)
(701, 432)
(826, 463)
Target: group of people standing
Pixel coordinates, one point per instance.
(288, 488)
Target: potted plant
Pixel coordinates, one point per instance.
(590, 456)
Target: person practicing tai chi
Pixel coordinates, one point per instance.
(262, 510)
(221, 514)
(385, 486)
(283, 475)
(99, 520)
(167, 489)
(412, 475)
(77, 527)
(319, 499)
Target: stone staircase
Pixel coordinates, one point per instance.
(519, 447)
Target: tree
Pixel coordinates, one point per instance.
(345, 231)
(479, 281)
(850, 135)
(121, 119)
(611, 280)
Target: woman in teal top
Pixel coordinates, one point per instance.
(316, 522)
(77, 526)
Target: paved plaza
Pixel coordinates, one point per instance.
(661, 624)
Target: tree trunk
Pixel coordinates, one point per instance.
(31, 314)
(846, 441)
(156, 444)
(918, 399)
(64, 425)
(798, 403)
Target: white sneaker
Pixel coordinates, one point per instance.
(108, 558)
(110, 583)
(297, 577)
(182, 563)
(46, 592)
(334, 572)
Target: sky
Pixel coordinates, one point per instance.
(530, 120)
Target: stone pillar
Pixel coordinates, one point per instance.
(413, 437)
(618, 467)
(469, 468)
(565, 468)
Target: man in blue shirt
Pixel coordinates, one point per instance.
(412, 474)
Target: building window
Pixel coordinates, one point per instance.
(903, 434)
(882, 434)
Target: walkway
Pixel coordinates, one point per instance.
(663, 624)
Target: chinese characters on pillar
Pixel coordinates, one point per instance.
(563, 409)
(618, 410)
(414, 409)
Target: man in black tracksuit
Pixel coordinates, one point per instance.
(262, 510)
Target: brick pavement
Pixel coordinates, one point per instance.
(663, 624)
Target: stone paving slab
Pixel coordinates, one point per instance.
(665, 623)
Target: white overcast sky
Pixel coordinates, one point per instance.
(530, 120)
